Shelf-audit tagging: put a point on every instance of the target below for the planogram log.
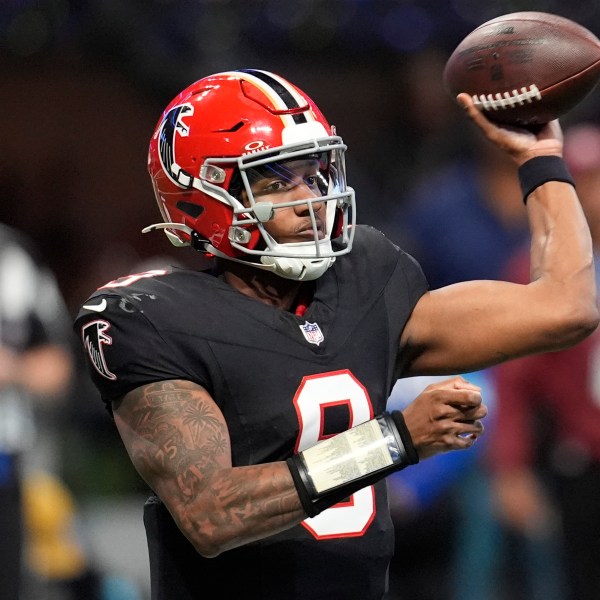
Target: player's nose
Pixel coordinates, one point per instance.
(305, 191)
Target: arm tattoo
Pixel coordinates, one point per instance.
(179, 431)
(175, 433)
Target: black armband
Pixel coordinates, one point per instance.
(540, 170)
(335, 468)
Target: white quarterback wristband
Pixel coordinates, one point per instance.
(335, 468)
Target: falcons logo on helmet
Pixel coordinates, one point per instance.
(172, 125)
(94, 338)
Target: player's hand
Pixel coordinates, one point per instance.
(522, 144)
(445, 416)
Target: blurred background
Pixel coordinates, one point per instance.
(83, 84)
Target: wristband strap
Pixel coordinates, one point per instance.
(541, 169)
(411, 452)
(301, 481)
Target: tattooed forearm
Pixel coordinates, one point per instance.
(256, 502)
(174, 427)
(177, 438)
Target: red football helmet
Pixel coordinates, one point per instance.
(219, 135)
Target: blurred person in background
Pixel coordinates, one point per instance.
(435, 510)
(35, 369)
(465, 218)
(479, 231)
(544, 451)
(42, 550)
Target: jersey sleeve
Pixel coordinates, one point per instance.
(413, 276)
(123, 349)
(385, 264)
(406, 285)
(405, 281)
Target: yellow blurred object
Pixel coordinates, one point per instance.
(52, 548)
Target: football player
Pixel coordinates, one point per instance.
(251, 397)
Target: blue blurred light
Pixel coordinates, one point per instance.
(407, 28)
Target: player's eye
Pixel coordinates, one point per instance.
(273, 186)
(276, 186)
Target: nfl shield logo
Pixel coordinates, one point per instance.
(312, 332)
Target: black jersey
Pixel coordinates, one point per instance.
(282, 383)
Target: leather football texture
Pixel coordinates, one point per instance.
(525, 68)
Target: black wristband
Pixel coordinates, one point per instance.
(409, 447)
(541, 169)
(302, 482)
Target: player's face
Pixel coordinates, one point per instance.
(291, 181)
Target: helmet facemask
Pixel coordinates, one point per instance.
(319, 167)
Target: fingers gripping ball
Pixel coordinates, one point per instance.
(525, 68)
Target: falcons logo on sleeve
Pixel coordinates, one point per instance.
(94, 338)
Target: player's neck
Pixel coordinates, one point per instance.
(264, 286)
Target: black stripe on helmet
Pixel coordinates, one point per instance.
(280, 90)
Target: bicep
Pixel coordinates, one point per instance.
(472, 325)
(175, 436)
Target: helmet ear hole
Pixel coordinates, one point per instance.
(190, 209)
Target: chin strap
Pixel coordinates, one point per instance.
(172, 238)
(298, 269)
(287, 260)
(197, 243)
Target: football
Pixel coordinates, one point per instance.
(525, 68)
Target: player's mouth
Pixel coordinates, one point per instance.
(307, 231)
